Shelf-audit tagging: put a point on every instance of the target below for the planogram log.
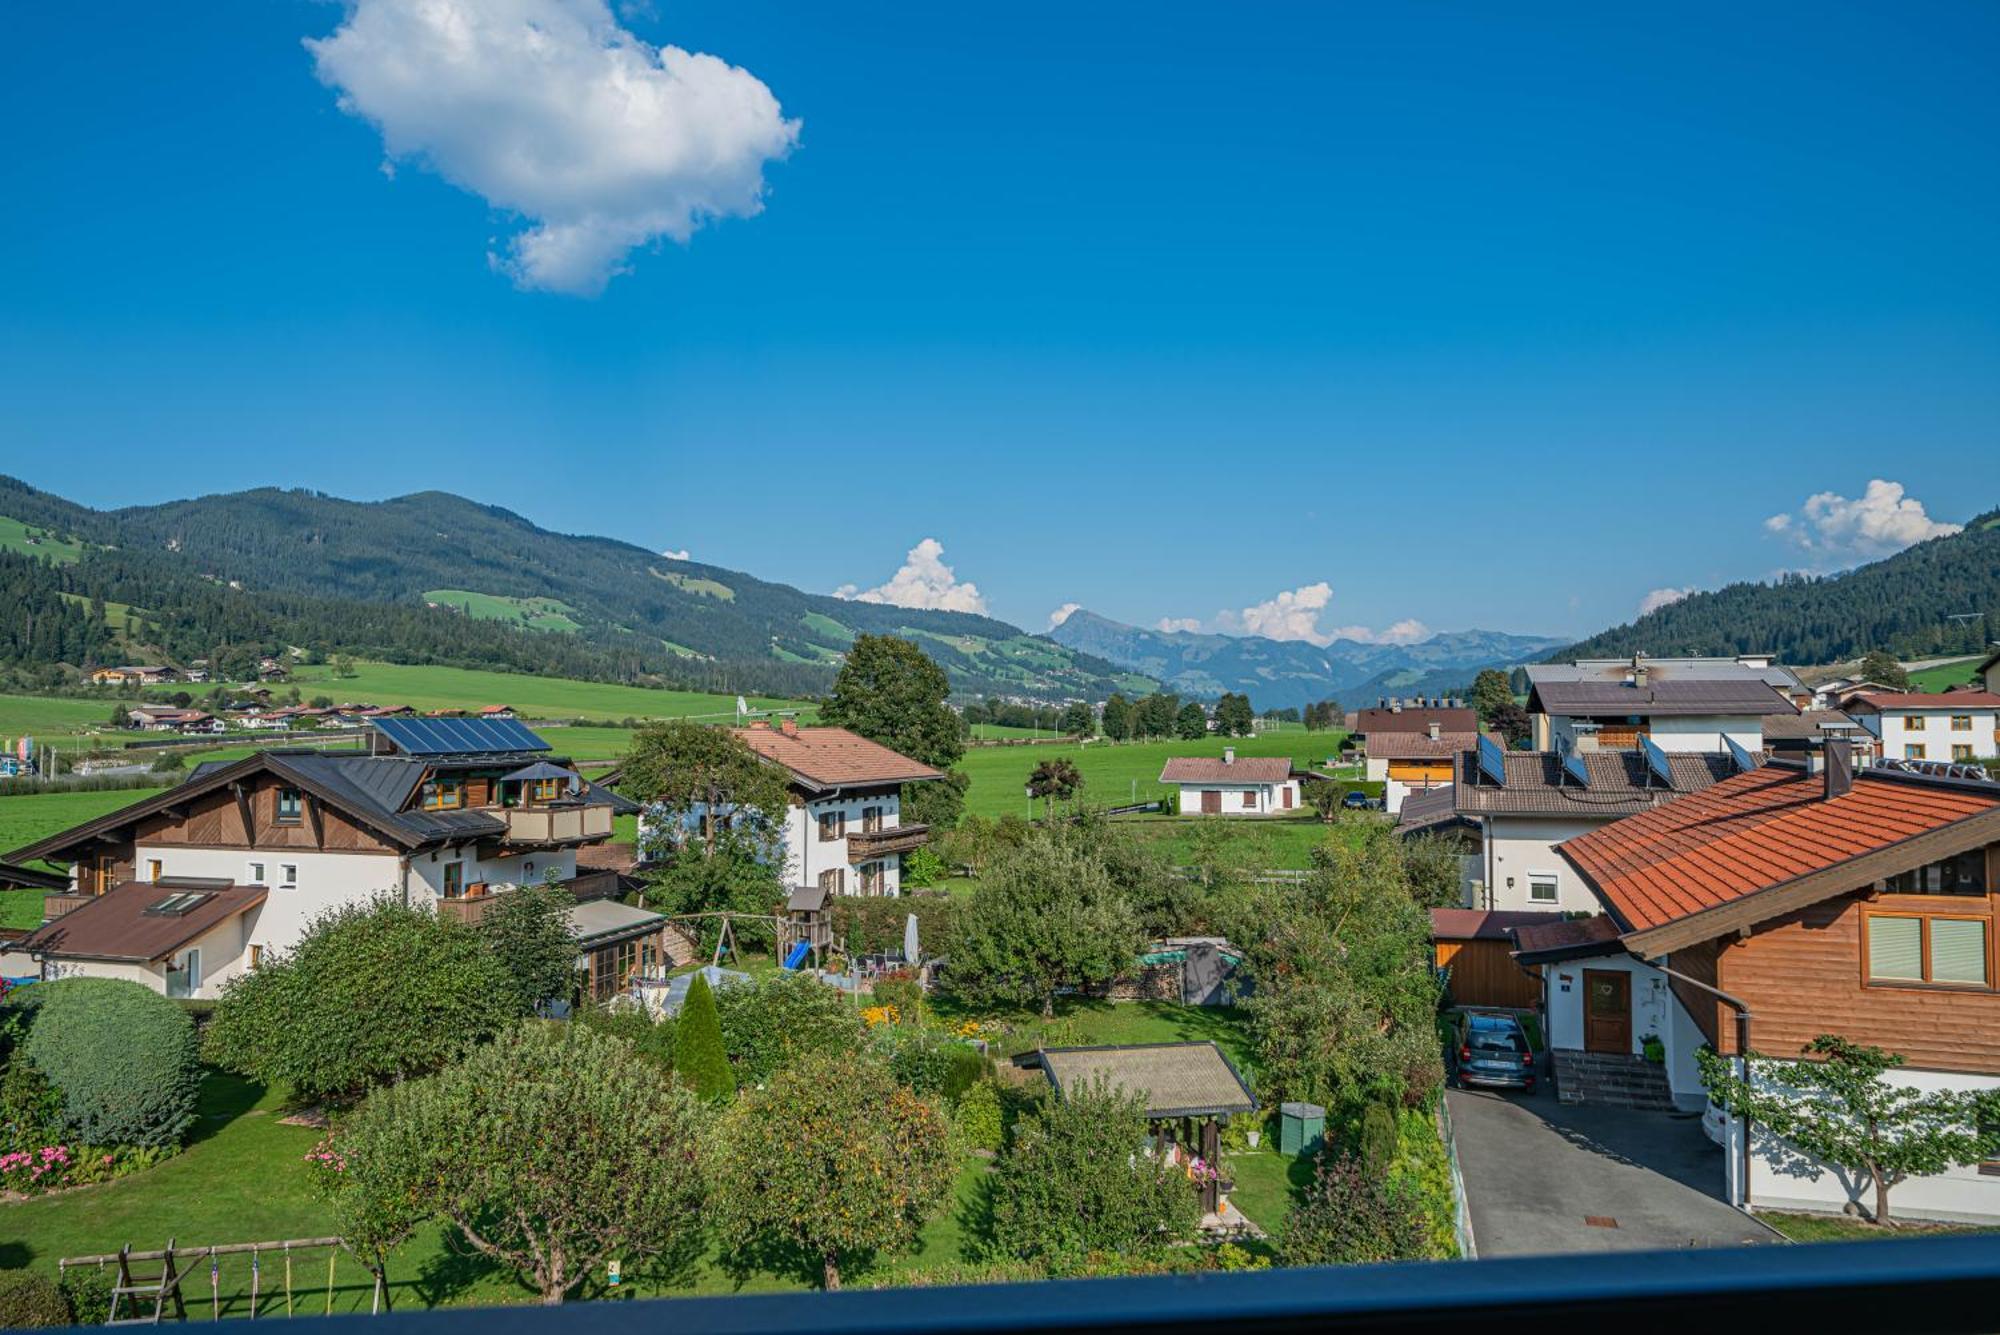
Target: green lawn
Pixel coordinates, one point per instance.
(45, 717)
(1268, 844)
(1267, 1183)
(21, 909)
(1118, 773)
(534, 613)
(243, 1179)
(1001, 732)
(1840, 1228)
(23, 820)
(1944, 676)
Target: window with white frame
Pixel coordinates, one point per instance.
(1542, 887)
(288, 875)
(253, 874)
(184, 979)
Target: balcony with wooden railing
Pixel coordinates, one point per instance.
(472, 907)
(555, 826)
(867, 845)
(55, 904)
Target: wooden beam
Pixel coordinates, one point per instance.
(313, 817)
(243, 811)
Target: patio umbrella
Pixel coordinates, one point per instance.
(910, 939)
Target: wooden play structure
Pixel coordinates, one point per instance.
(147, 1299)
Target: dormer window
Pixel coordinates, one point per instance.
(291, 806)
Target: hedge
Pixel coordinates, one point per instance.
(872, 926)
(31, 1299)
(123, 1058)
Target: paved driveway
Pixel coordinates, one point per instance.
(1544, 1177)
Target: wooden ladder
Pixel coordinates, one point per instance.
(162, 1288)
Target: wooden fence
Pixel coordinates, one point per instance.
(1483, 973)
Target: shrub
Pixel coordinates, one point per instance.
(871, 926)
(780, 1019)
(87, 1290)
(529, 932)
(1350, 1216)
(29, 1298)
(902, 992)
(698, 1057)
(30, 1109)
(651, 1039)
(122, 1057)
(372, 994)
(921, 869)
(1377, 1139)
(978, 1117)
(969, 1067)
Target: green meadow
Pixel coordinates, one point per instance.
(1118, 773)
(1944, 676)
(16, 536)
(534, 613)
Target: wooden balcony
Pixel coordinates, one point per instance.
(472, 909)
(54, 904)
(556, 826)
(866, 846)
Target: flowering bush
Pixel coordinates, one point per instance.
(880, 1015)
(48, 1167)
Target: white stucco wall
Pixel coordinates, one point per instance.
(1692, 733)
(224, 951)
(804, 856)
(1269, 798)
(1937, 736)
(1781, 1178)
(1518, 846)
(325, 881)
(1655, 1010)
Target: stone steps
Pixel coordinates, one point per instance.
(1612, 1081)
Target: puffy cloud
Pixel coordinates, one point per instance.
(923, 581)
(550, 110)
(1063, 613)
(1172, 624)
(1291, 615)
(1659, 598)
(1407, 631)
(1881, 521)
(681, 555)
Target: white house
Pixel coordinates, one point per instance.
(186, 889)
(1683, 704)
(1229, 786)
(1959, 726)
(1527, 803)
(1413, 762)
(1731, 917)
(843, 831)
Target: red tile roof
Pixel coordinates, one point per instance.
(1214, 769)
(833, 757)
(1419, 745)
(1756, 831)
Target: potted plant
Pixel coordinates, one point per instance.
(1654, 1050)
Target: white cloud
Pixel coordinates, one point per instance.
(923, 581)
(681, 555)
(1407, 631)
(1881, 521)
(1295, 615)
(1659, 598)
(1063, 613)
(1172, 624)
(550, 110)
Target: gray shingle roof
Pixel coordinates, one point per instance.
(1620, 784)
(1657, 699)
(1175, 1079)
(1428, 810)
(1665, 669)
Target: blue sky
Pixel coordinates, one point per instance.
(1475, 318)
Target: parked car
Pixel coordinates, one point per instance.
(1492, 1049)
(1355, 800)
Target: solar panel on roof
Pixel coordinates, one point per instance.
(1492, 760)
(1744, 761)
(1656, 761)
(1573, 766)
(459, 736)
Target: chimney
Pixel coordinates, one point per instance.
(789, 727)
(1640, 676)
(1839, 767)
(1229, 755)
(1436, 728)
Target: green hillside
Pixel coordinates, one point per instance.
(534, 613)
(16, 536)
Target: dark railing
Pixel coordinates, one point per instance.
(1923, 1284)
(471, 909)
(891, 839)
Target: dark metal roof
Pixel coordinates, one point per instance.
(1431, 809)
(1658, 699)
(1619, 783)
(27, 878)
(541, 769)
(459, 736)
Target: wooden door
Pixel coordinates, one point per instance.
(1288, 796)
(1607, 1010)
(1211, 802)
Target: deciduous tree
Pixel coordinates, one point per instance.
(1118, 720)
(1191, 725)
(1078, 720)
(833, 1163)
(1054, 781)
(1490, 692)
(1838, 1106)
(529, 931)
(692, 777)
(552, 1150)
(890, 691)
(1233, 717)
(1880, 666)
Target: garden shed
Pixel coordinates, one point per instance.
(1189, 1089)
(616, 943)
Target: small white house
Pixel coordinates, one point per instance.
(1961, 726)
(1228, 786)
(1413, 762)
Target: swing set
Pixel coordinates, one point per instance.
(163, 1288)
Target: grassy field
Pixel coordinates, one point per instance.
(534, 613)
(1117, 773)
(1840, 1228)
(1945, 675)
(26, 819)
(1001, 732)
(48, 717)
(14, 537)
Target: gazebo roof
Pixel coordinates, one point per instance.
(1175, 1079)
(541, 769)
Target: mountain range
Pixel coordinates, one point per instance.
(1281, 673)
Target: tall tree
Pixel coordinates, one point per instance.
(1878, 665)
(1118, 720)
(1078, 720)
(1513, 723)
(1191, 724)
(890, 691)
(1156, 715)
(1838, 1107)
(1233, 717)
(530, 933)
(699, 1061)
(702, 780)
(833, 1162)
(552, 1150)
(1055, 781)
(1047, 915)
(1490, 692)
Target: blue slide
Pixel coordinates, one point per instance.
(797, 954)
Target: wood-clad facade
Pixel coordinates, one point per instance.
(1483, 973)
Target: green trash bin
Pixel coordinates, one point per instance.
(1301, 1128)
